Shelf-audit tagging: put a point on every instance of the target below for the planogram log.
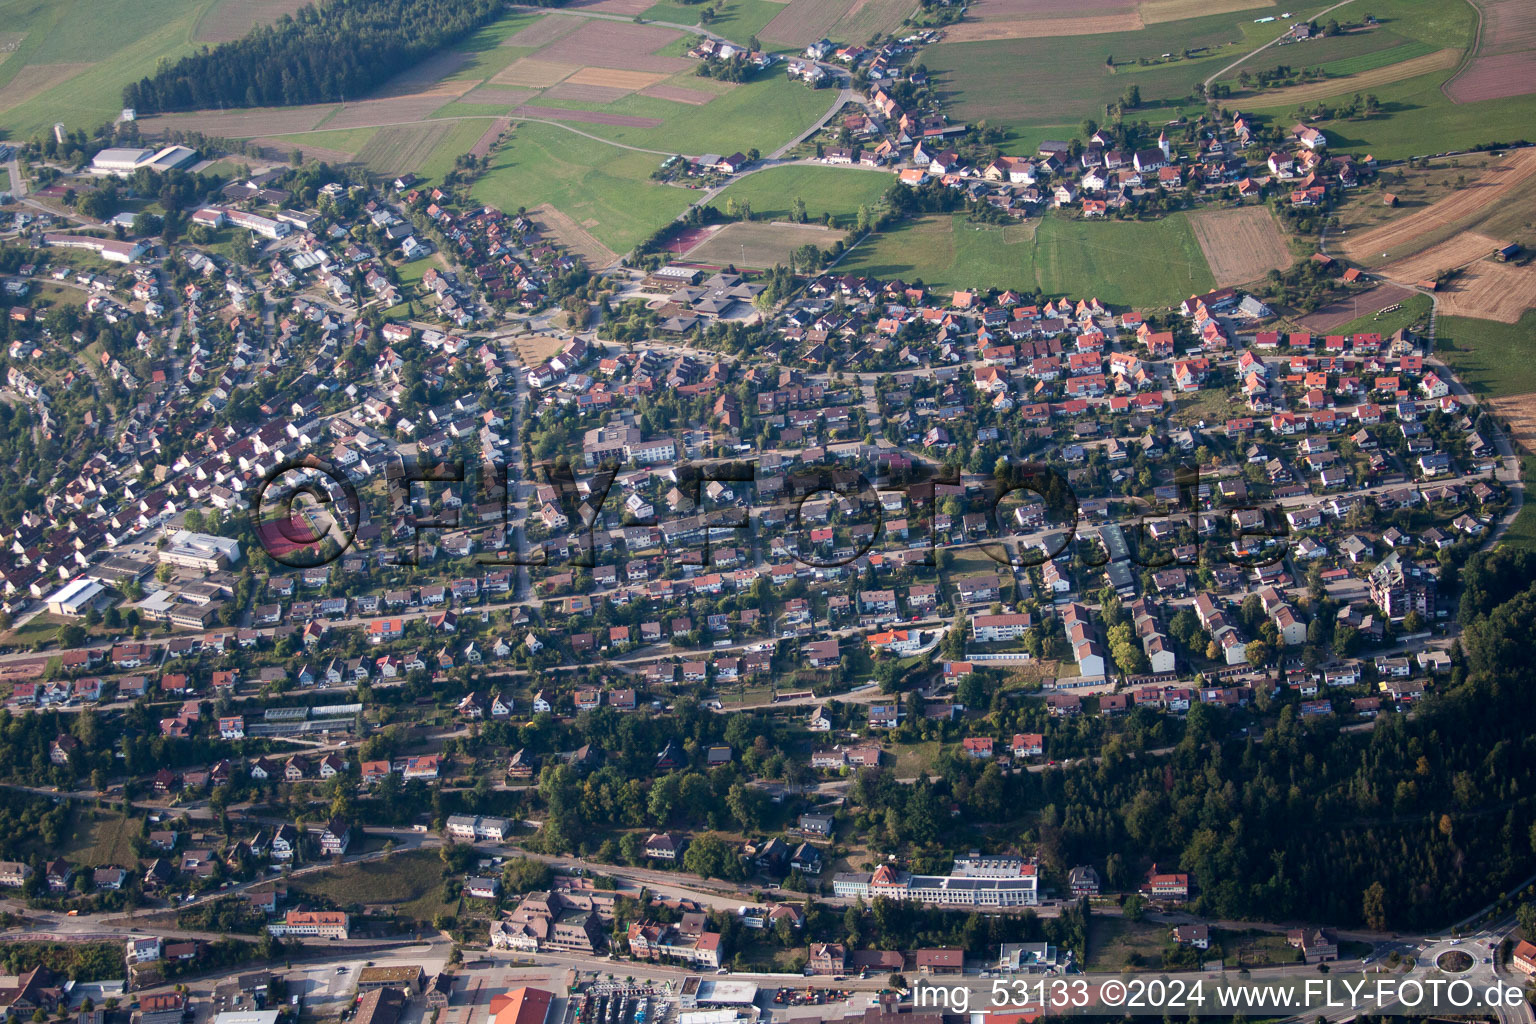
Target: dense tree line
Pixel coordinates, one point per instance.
(336, 51)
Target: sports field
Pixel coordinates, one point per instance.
(757, 244)
(1146, 264)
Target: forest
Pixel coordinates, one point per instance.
(339, 50)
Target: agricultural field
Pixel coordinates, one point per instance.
(1494, 360)
(1362, 81)
(1242, 244)
(1068, 76)
(1146, 264)
(756, 244)
(73, 56)
(839, 191)
(736, 20)
(1413, 309)
(227, 20)
(1418, 119)
(1504, 61)
(573, 236)
(607, 191)
(1481, 287)
(1501, 185)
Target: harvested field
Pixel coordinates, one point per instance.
(628, 8)
(586, 117)
(1370, 301)
(573, 236)
(867, 18)
(805, 21)
(1490, 291)
(1518, 412)
(428, 76)
(1155, 11)
(617, 44)
(402, 148)
(1028, 10)
(35, 79)
(482, 146)
(390, 110)
(1464, 248)
(755, 244)
(1311, 92)
(535, 74)
(241, 124)
(1504, 63)
(614, 78)
(1039, 28)
(283, 147)
(1425, 227)
(677, 94)
(1240, 245)
(228, 20)
(569, 90)
(492, 96)
(534, 349)
(544, 31)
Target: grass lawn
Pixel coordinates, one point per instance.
(1491, 358)
(1522, 532)
(101, 838)
(969, 561)
(409, 883)
(1115, 943)
(1213, 405)
(39, 626)
(1255, 949)
(839, 191)
(607, 190)
(913, 759)
(1135, 263)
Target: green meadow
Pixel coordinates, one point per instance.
(1145, 264)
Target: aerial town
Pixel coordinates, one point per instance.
(411, 616)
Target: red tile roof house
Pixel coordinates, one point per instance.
(940, 961)
(1166, 886)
